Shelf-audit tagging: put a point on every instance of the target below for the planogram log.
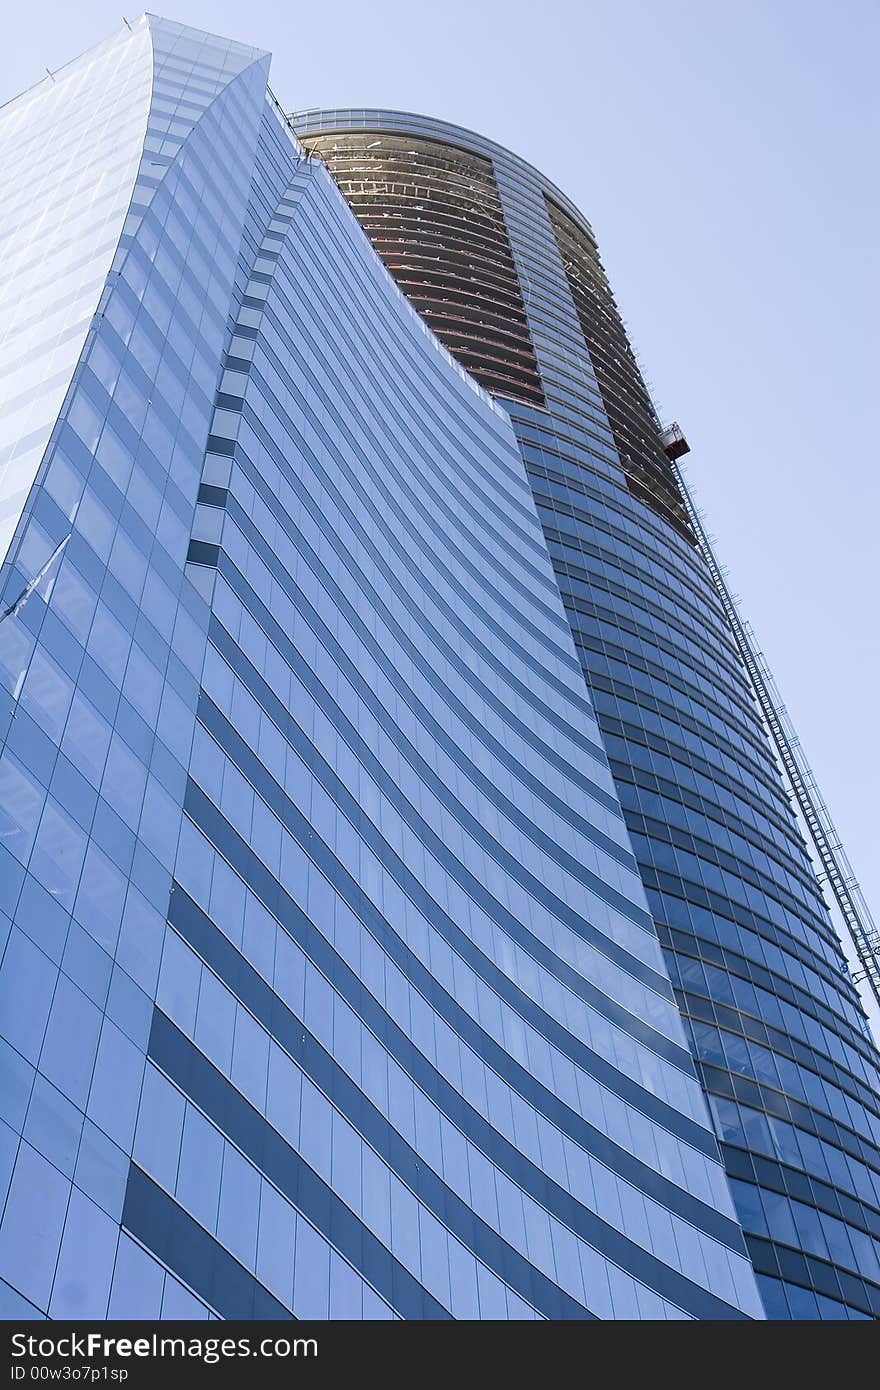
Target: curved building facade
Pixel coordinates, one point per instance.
(773, 1019)
(329, 985)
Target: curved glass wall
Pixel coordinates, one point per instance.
(329, 986)
(434, 215)
(773, 1018)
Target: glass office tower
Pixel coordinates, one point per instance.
(506, 271)
(333, 903)
(329, 985)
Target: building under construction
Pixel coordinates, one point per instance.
(508, 274)
(406, 904)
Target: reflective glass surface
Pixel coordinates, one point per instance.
(772, 1016)
(329, 987)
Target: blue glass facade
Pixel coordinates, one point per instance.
(772, 1017)
(329, 986)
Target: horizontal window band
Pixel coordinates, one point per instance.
(234, 1116)
(577, 699)
(283, 315)
(604, 646)
(210, 495)
(639, 743)
(288, 312)
(633, 779)
(547, 461)
(203, 553)
(685, 611)
(218, 445)
(748, 1093)
(186, 1248)
(258, 610)
(267, 699)
(499, 749)
(223, 731)
(616, 614)
(557, 644)
(289, 1032)
(274, 897)
(757, 1096)
(674, 888)
(719, 703)
(592, 749)
(216, 1096)
(700, 944)
(299, 827)
(530, 696)
(771, 1175)
(779, 878)
(741, 1016)
(647, 822)
(796, 1267)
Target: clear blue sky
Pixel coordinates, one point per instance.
(726, 155)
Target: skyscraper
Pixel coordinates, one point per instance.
(507, 272)
(331, 981)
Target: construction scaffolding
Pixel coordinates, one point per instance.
(836, 868)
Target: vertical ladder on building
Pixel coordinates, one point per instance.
(836, 868)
